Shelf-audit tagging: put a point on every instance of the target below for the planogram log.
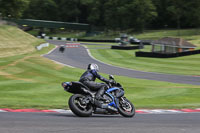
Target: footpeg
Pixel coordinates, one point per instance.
(104, 106)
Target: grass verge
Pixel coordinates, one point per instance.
(186, 65)
(14, 41)
(32, 81)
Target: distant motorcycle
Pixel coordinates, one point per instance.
(62, 48)
(82, 102)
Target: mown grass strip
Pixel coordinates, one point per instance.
(187, 65)
(31, 81)
(14, 41)
(37, 84)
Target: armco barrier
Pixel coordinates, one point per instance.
(163, 55)
(42, 46)
(144, 42)
(89, 40)
(74, 39)
(58, 38)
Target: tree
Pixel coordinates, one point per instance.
(85, 9)
(13, 8)
(97, 13)
(176, 10)
(192, 13)
(68, 10)
(113, 15)
(41, 9)
(141, 12)
(163, 18)
(177, 13)
(126, 14)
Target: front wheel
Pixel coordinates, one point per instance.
(126, 108)
(79, 107)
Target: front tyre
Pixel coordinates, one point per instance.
(126, 108)
(78, 107)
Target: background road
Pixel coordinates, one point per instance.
(68, 123)
(78, 57)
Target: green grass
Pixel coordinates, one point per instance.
(31, 81)
(186, 65)
(14, 41)
(27, 82)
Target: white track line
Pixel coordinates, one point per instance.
(61, 111)
(2, 110)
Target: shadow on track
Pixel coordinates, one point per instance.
(72, 115)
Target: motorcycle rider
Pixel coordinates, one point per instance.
(88, 78)
(62, 48)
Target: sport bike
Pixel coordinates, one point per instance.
(82, 102)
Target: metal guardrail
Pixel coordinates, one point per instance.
(42, 46)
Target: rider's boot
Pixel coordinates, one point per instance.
(99, 98)
(99, 94)
(99, 104)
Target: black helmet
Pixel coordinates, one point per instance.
(93, 67)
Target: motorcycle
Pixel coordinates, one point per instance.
(82, 102)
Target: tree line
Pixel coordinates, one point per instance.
(135, 15)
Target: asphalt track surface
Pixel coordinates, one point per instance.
(79, 57)
(69, 123)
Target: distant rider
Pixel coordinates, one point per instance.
(88, 78)
(62, 48)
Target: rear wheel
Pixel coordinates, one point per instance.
(79, 107)
(126, 108)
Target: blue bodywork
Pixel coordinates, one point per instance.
(113, 98)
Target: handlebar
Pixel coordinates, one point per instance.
(113, 83)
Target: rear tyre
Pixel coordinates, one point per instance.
(78, 107)
(126, 108)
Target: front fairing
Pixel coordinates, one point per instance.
(119, 91)
(115, 93)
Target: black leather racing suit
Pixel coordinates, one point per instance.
(88, 79)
